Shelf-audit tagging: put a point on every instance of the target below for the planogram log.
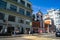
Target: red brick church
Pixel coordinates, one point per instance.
(37, 22)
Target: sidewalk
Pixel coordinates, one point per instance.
(11, 36)
(20, 35)
(35, 38)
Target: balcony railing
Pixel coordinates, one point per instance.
(19, 4)
(15, 13)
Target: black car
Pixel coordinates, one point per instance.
(58, 33)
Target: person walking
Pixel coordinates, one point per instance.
(29, 32)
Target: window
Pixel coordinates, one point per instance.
(28, 13)
(37, 16)
(13, 8)
(58, 17)
(27, 22)
(11, 18)
(22, 2)
(21, 21)
(28, 5)
(57, 14)
(21, 11)
(3, 4)
(2, 16)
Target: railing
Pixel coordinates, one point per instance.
(14, 12)
(19, 4)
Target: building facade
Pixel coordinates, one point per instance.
(15, 15)
(55, 15)
(48, 24)
(37, 22)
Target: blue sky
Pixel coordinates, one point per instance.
(44, 5)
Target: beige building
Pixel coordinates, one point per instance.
(48, 24)
(15, 16)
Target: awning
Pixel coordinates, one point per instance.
(47, 21)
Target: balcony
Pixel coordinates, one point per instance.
(19, 4)
(8, 11)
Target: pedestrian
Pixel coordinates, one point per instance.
(29, 32)
(5, 30)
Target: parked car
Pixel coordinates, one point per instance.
(57, 33)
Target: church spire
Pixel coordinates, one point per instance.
(39, 13)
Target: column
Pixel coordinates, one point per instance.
(17, 9)
(16, 19)
(25, 3)
(48, 29)
(25, 12)
(8, 5)
(6, 23)
(14, 30)
(24, 21)
(6, 17)
(43, 27)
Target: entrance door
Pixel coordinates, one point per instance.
(10, 30)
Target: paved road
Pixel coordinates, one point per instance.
(50, 35)
(14, 38)
(33, 37)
